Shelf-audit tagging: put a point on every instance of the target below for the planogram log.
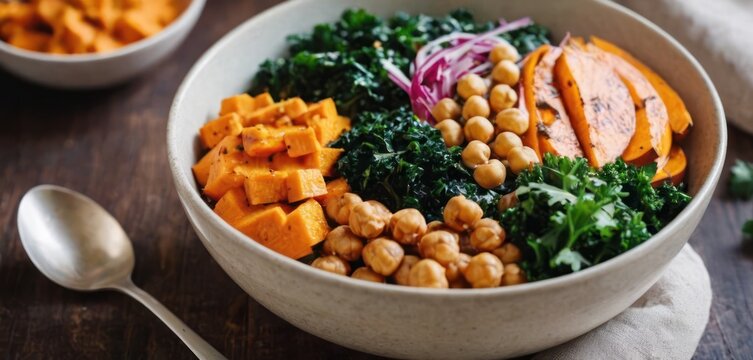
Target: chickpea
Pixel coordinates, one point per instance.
(366, 220)
(512, 120)
(381, 210)
(491, 174)
(339, 208)
(522, 158)
(402, 274)
(460, 213)
(367, 274)
(452, 132)
(479, 128)
(507, 201)
(428, 273)
(471, 84)
(445, 109)
(332, 264)
(408, 225)
(441, 246)
(513, 275)
(475, 153)
(503, 51)
(438, 225)
(454, 270)
(504, 142)
(487, 235)
(484, 270)
(502, 97)
(341, 241)
(506, 72)
(383, 255)
(508, 253)
(476, 106)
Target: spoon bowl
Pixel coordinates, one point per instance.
(72, 240)
(79, 245)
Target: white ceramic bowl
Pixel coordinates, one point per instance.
(409, 322)
(90, 71)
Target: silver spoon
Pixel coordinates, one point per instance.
(77, 244)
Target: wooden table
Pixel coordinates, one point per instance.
(111, 145)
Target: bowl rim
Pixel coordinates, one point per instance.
(193, 200)
(183, 21)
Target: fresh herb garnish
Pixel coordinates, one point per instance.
(402, 162)
(343, 60)
(741, 181)
(571, 216)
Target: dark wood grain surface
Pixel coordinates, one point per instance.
(110, 145)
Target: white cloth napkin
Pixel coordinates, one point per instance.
(666, 323)
(719, 34)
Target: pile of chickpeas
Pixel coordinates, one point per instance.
(463, 251)
(489, 148)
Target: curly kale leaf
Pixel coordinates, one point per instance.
(741, 181)
(571, 216)
(402, 162)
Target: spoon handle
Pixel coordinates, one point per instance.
(202, 349)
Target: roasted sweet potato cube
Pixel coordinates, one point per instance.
(103, 42)
(30, 39)
(325, 160)
(335, 188)
(301, 142)
(50, 11)
(325, 109)
(134, 25)
(77, 34)
(304, 184)
(283, 162)
(329, 129)
(263, 100)
(252, 165)
(233, 206)
(243, 104)
(268, 114)
(268, 227)
(222, 176)
(201, 168)
(307, 223)
(260, 140)
(266, 187)
(216, 130)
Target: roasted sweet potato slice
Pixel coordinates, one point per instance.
(679, 117)
(653, 135)
(555, 132)
(530, 138)
(674, 168)
(597, 102)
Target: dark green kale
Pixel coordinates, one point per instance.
(571, 216)
(343, 60)
(404, 163)
(741, 181)
(748, 229)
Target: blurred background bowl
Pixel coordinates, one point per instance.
(99, 70)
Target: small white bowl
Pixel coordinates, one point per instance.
(406, 322)
(90, 71)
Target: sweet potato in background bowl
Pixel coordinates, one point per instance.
(97, 70)
(424, 323)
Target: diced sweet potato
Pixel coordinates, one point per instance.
(307, 223)
(325, 109)
(201, 168)
(325, 160)
(222, 176)
(268, 227)
(674, 168)
(77, 34)
(335, 188)
(103, 42)
(328, 130)
(244, 104)
(304, 184)
(214, 131)
(252, 165)
(679, 117)
(598, 104)
(268, 114)
(554, 131)
(103, 13)
(301, 142)
(263, 100)
(134, 25)
(50, 11)
(283, 162)
(233, 206)
(260, 140)
(29, 39)
(266, 187)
